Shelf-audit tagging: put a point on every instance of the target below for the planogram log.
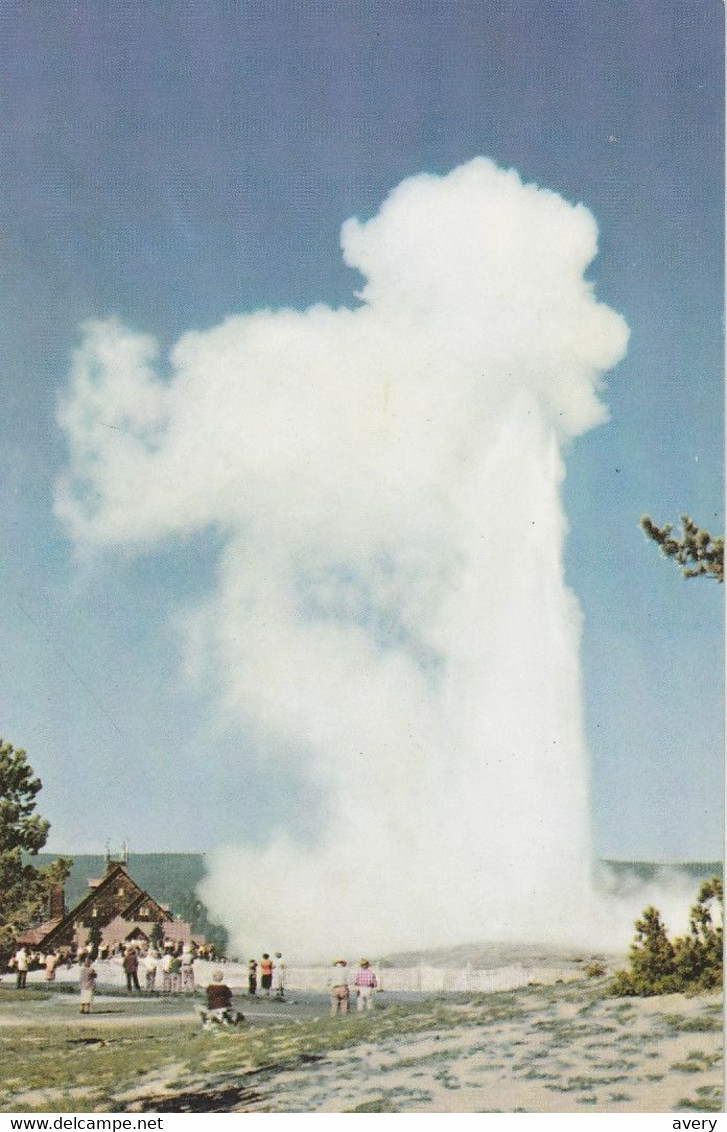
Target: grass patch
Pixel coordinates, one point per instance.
(379, 1104)
(585, 1083)
(623, 1013)
(392, 1100)
(680, 1024)
(709, 1098)
(696, 1062)
(446, 1079)
(30, 995)
(50, 1058)
(422, 1059)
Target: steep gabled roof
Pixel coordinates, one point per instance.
(120, 929)
(33, 936)
(115, 873)
(159, 910)
(123, 923)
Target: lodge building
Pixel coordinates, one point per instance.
(117, 908)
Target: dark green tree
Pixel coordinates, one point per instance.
(20, 828)
(689, 963)
(24, 889)
(698, 955)
(696, 551)
(653, 965)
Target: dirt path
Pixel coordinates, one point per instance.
(115, 1010)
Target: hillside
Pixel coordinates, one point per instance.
(649, 870)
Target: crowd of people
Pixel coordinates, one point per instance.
(344, 984)
(271, 973)
(25, 960)
(173, 966)
(169, 969)
(170, 959)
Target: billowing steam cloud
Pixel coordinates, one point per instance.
(390, 609)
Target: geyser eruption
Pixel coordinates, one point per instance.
(390, 617)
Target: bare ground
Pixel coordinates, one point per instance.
(560, 1048)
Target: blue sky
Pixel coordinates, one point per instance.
(175, 163)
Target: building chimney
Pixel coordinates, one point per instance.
(56, 903)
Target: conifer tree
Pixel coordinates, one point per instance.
(24, 889)
(690, 963)
(697, 551)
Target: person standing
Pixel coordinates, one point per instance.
(175, 971)
(21, 967)
(51, 962)
(338, 984)
(279, 976)
(87, 984)
(165, 965)
(266, 974)
(252, 977)
(365, 983)
(187, 969)
(131, 969)
(151, 962)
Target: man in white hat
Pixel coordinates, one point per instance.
(338, 983)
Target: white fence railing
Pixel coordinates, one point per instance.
(428, 980)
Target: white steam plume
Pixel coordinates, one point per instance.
(390, 603)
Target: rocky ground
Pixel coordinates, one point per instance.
(567, 1047)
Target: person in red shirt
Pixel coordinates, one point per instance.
(365, 983)
(266, 973)
(219, 1009)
